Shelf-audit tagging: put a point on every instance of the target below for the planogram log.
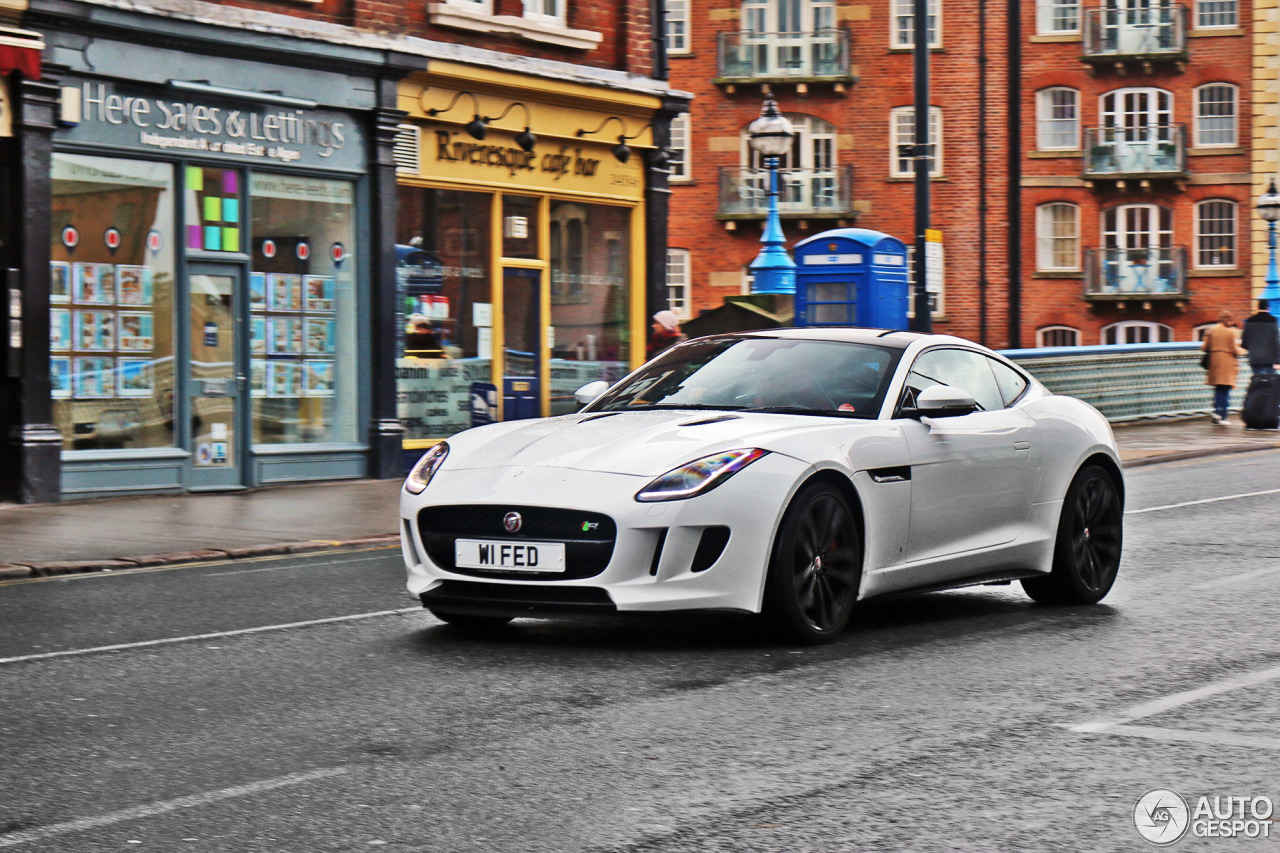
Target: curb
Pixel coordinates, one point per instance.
(22, 571)
(1179, 455)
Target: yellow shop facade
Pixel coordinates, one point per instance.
(530, 243)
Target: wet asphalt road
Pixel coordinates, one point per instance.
(969, 720)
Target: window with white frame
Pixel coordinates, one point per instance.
(1198, 333)
(1217, 13)
(1058, 236)
(677, 26)
(548, 11)
(1057, 336)
(482, 7)
(678, 149)
(1056, 17)
(1057, 119)
(903, 23)
(1137, 332)
(678, 281)
(1216, 115)
(902, 138)
(1216, 233)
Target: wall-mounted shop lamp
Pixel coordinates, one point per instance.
(525, 139)
(476, 127)
(621, 151)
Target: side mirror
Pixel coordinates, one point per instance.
(944, 401)
(590, 392)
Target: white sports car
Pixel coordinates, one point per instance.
(787, 472)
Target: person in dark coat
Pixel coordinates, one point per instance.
(1261, 338)
(1220, 343)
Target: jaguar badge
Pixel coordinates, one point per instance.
(512, 522)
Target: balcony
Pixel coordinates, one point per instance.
(1135, 153)
(1139, 36)
(821, 56)
(1135, 275)
(802, 193)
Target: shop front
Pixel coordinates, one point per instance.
(523, 267)
(210, 264)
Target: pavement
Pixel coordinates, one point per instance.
(113, 534)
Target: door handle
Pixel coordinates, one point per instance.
(1022, 445)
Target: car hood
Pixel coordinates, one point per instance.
(646, 443)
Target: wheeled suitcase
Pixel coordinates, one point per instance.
(1262, 403)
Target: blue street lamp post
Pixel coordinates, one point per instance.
(1269, 210)
(773, 269)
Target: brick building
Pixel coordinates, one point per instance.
(261, 242)
(1132, 191)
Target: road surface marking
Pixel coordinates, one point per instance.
(1177, 700)
(1202, 501)
(1247, 741)
(171, 640)
(166, 806)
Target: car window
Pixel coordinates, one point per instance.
(963, 369)
(1011, 382)
(807, 376)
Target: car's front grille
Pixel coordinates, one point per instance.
(588, 537)
(500, 599)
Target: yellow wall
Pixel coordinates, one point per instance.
(1266, 122)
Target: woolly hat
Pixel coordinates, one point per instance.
(668, 320)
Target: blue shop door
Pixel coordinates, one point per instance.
(522, 347)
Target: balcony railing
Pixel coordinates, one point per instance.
(1156, 32)
(817, 55)
(1153, 151)
(803, 192)
(1135, 273)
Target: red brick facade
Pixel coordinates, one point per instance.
(860, 113)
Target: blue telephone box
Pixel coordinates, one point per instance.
(851, 277)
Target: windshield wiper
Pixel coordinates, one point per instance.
(801, 410)
(653, 406)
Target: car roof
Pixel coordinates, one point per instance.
(844, 334)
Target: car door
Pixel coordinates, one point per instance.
(973, 476)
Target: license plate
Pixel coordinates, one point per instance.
(509, 556)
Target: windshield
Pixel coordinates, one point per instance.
(761, 374)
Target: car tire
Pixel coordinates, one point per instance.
(1086, 554)
(816, 567)
(470, 621)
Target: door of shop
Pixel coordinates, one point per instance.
(522, 343)
(216, 377)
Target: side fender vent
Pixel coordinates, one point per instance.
(714, 539)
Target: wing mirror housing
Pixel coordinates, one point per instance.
(590, 392)
(943, 401)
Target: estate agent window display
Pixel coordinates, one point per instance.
(112, 298)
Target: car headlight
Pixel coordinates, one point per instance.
(701, 475)
(426, 468)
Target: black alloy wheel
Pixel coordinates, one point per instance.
(1086, 555)
(816, 567)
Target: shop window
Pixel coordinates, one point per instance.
(443, 245)
(590, 320)
(212, 209)
(519, 227)
(302, 301)
(112, 303)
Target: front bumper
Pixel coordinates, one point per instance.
(671, 555)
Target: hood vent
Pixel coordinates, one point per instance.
(714, 419)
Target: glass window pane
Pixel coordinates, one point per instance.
(443, 244)
(519, 227)
(302, 301)
(590, 306)
(212, 209)
(112, 314)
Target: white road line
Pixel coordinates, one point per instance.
(165, 806)
(1243, 576)
(171, 640)
(1247, 741)
(1176, 700)
(1202, 501)
(298, 566)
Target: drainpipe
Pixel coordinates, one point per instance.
(1014, 212)
(982, 172)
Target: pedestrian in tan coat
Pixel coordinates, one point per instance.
(1222, 343)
